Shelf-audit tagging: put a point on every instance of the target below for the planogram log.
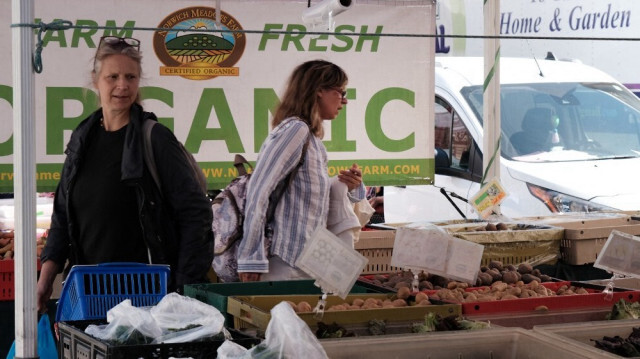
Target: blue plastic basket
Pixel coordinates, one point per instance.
(91, 290)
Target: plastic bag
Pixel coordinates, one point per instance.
(46, 344)
(287, 336)
(127, 325)
(175, 319)
(363, 211)
(175, 311)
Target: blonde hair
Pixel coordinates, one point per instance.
(300, 97)
(106, 50)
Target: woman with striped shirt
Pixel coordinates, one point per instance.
(315, 93)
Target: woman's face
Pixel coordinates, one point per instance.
(330, 102)
(117, 83)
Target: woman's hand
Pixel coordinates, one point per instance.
(351, 177)
(44, 290)
(249, 277)
(378, 204)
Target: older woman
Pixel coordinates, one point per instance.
(107, 207)
(315, 93)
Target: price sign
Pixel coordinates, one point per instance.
(431, 249)
(489, 196)
(620, 254)
(331, 262)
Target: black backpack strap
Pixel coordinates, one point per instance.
(149, 159)
(239, 162)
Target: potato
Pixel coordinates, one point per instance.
(293, 305)
(496, 264)
(420, 296)
(525, 268)
(509, 277)
(304, 307)
(399, 303)
(403, 293)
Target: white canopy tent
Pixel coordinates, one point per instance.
(25, 163)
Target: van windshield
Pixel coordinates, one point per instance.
(554, 122)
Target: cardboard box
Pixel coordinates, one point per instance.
(583, 241)
(377, 247)
(255, 311)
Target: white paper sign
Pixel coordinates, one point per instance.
(420, 248)
(431, 249)
(463, 260)
(620, 254)
(334, 265)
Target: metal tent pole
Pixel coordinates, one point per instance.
(24, 182)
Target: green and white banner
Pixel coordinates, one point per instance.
(216, 84)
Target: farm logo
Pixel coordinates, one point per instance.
(196, 47)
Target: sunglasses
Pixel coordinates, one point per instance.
(114, 41)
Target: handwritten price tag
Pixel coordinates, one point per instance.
(430, 249)
(334, 265)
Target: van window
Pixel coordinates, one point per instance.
(455, 147)
(554, 122)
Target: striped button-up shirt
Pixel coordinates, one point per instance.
(304, 204)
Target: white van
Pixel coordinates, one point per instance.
(570, 142)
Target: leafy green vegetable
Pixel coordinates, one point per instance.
(434, 322)
(377, 327)
(624, 310)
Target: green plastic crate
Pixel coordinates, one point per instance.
(216, 294)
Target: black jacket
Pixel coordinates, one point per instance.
(176, 224)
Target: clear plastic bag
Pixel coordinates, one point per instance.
(175, 312)
(175, 319)
(287, 336)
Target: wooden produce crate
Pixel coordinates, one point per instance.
(255, 311)
(583, 334)
(503, 343)
(584, 240)
(377, 247)
(519, 243)
(217, 294)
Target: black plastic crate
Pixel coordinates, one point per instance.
(76, 344)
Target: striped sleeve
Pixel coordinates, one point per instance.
(278, 156)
